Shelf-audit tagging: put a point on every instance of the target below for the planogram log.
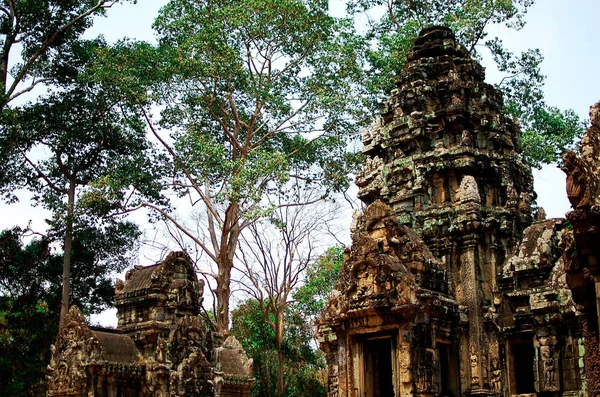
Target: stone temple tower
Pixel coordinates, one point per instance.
(438, 272)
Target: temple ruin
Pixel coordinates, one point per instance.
(161, 346)
(451, 287)
(580, 242)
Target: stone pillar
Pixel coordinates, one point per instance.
(468, 270)
(471, 296)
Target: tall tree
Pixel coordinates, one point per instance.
(40, 30)
(90, 137)
(547, 131)
(255, 93)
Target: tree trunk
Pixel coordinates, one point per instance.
(229, 238)
(66, 277)
(279, 324)
(223, 292)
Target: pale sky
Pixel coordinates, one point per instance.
(564, 30)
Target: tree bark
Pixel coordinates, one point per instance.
(223, 292)
(279, 325)
(229, 238)
(66, 277)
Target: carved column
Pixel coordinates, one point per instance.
(468, 273)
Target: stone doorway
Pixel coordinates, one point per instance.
(449, 373)
(521, 360)
(375, 366)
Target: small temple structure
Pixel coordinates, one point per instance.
(452, 287)
(161, 346)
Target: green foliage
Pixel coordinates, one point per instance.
(393, 34)
(75, 137)
(43, 31)
(547, 132)
(304, 365)
(30, 295)
(88, 133)
(252, 79)
(321, 277)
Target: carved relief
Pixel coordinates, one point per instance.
(75, 346)
(161, 351)
(474, 360)
(405, 364)
(549, 377)
(549, 368)
(469, 193)
(425, 371)
(471, 274)
(496, 378)
(175, 355)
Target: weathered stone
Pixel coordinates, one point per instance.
(438, 274)
(580, 242)
(160, 348)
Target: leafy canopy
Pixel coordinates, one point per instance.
(254, 94)
(260, 91)
(35, 35)
(321, 277)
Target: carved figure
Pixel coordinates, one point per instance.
(474, 359)
(469, 193)
(467, 138)
(549, 367)
(405, 364)
(512, 197)
(161, 351)
(424, 374)
(496, 378)
(94, 350)
(119, 285)
(438, 192)
(540, 215)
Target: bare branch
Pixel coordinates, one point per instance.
(188, 175)
(183, 229)
(25, 90)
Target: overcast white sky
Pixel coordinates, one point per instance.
(564, 30)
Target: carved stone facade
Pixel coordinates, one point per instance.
(450, 287)
(160, 348)
(580, 242)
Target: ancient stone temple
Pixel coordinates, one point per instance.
(451, 287)
(160, 348)
(581, 241)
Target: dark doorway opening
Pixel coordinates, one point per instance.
(522, 355)
(448, 369)
(378, 367)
